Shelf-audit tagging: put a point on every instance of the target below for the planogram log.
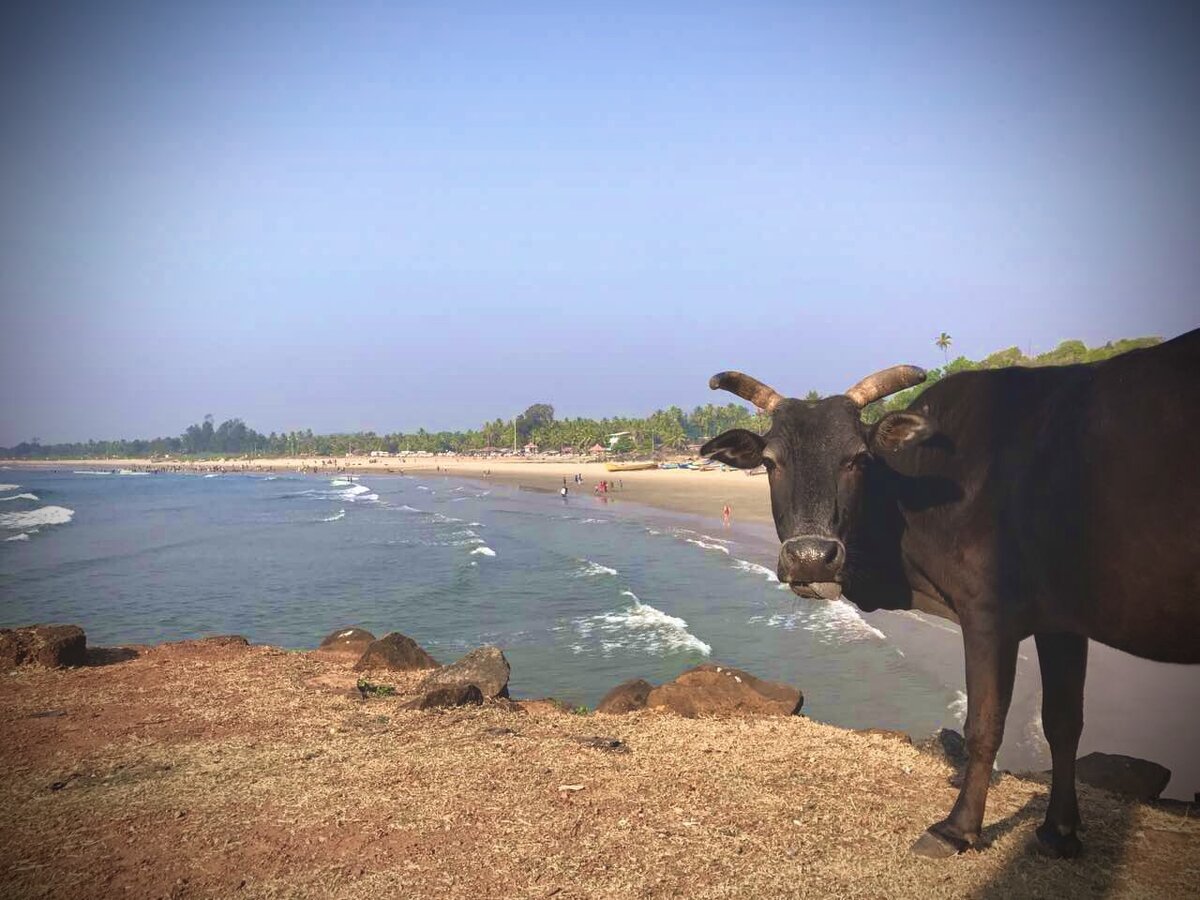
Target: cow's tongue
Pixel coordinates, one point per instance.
(817, 590)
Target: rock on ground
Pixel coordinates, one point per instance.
(348, 644)
(444, 697)
(397, 652)
(53, 646)
(626, 697)
(484, 667)
(1126, 776)
(708, 690)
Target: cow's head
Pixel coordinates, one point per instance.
(822, 461)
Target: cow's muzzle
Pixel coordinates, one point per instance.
(812, 566)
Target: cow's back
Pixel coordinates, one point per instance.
(1140, 479)
(1080, 493)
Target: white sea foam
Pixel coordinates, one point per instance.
(130, 472)
(340, 482)
(82, 472)
(340, 514)
(786, 621)
(640, 627)
(755, 569)
(19, 496)
(9, 487)
(483, 551)
(407, 508)
(17, 537)
(209, 475)
(35, 518)
(593, 521)
(843, 618)
(706, 546)
(709, 537)
(590, 569)
(958, 706)
(271, 478)
(834, 621)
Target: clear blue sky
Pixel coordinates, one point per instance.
(391, 215)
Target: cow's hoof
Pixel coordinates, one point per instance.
(935, 845)
(1054, 845)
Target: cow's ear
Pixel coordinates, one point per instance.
(898, 430)
(739, 448)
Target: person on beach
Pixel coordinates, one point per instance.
(725, 514)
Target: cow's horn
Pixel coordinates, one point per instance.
(765, 398)
(885, 383)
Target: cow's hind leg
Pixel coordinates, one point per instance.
(991, 662)
(1063, 661)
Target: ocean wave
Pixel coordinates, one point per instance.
(592, 521)
(83, 472)
(589, 569)
(341, 482)
(407, 508)
(17, 496)
(213, 475)
(958, 706)
(17, 537)
(640, 627)
(340, 514)
(9, 487)
(271, 478)
(709, 537)
(834, 621)
(707, 546)
(755, 569)
(483, 551)
(35, 518)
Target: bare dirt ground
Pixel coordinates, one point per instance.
(199, 770)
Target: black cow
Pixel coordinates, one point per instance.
(1062, 503)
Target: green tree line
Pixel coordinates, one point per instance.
(670, 429)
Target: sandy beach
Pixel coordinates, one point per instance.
(703, 493)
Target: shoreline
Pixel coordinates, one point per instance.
(674, 490)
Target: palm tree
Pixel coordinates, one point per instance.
(943, 341)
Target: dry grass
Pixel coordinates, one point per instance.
(196, 771)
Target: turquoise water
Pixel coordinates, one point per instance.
(580, 594)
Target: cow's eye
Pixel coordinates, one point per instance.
(768, 463)
(857, 462)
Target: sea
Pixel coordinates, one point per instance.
(580, 593)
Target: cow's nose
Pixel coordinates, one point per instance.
(809, 559)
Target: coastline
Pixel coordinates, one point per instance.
(1132, 706)
(675, 490)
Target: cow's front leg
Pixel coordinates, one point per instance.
(1063, 661)
(991, 662)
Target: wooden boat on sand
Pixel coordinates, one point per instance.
(629, 466)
